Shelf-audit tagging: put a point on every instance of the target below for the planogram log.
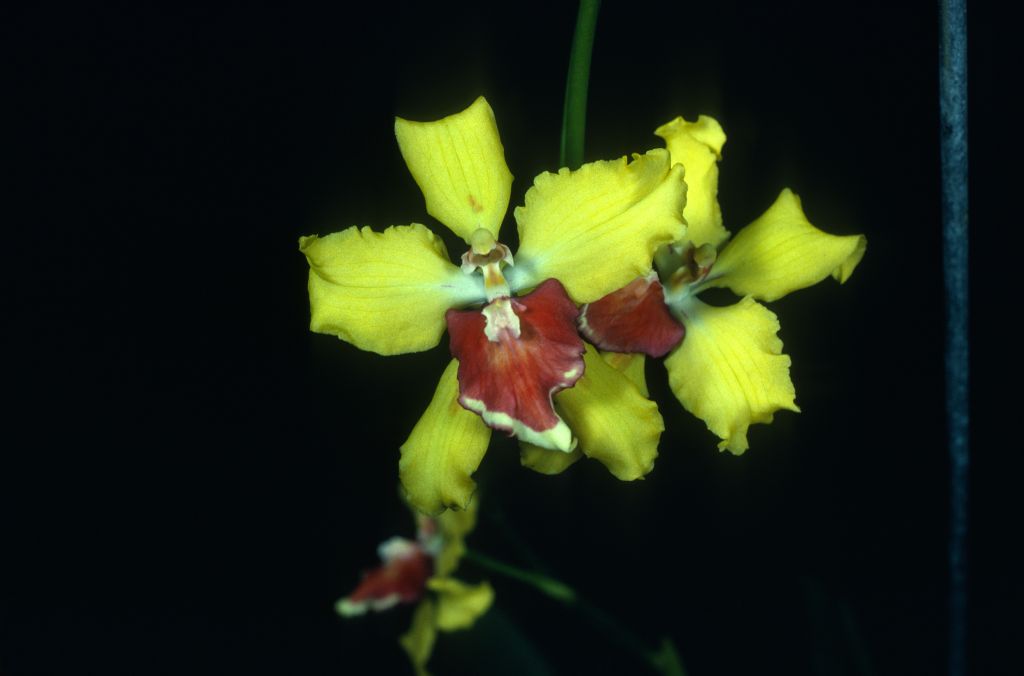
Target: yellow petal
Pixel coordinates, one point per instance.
(545, 460)
(729, 371)
(698, 147)
(459, 164)
(631, 365)
(386, 292)
(596, 229)
(460, 604)
(613, 421)
(454, 525)
(443, 451)
(781, 252)
(418, 642)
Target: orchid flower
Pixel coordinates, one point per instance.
(725, 364)
(419, 571)
(518, 363)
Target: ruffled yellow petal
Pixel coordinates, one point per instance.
(460, 604)
(545, 460)
(459, 164)
(729, 371)
(615, 424)
(444, 449)
(454, 525)
(418, 642)
(631, 365)
(596, 229)
(698, 147)
(386, 292)
(781, 252)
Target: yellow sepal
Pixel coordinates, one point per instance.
(615, 424)
(444, 449)
(631, 365)
(729, 371)
(418, 642)
(547, 461)
(459, 164)
(698, 147)
(596, 229)
(386, 292)
(459, 604)
(454, 525)
(781, 252)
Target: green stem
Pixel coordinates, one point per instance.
(574, 118)
(543, 583)
(664, 661)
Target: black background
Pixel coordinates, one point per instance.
(192, 478)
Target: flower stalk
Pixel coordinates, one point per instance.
(574, 118)
(665, 660)
(542, 583)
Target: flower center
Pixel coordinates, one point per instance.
(488, 255)
(515, 354)
(683, 270)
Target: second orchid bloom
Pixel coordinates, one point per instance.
(421, 571)
(518, 364)
(725, 364)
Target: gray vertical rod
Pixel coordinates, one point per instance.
(953, 114)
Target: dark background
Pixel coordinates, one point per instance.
(192, 478)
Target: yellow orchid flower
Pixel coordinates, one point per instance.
(518, 360)
(725, 364)
(420, 571)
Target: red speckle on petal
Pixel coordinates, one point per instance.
(632, 319)
(403, 576)
(513, 376)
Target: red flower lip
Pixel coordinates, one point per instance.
(513, 356)
(401, 578)
(633, 319)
